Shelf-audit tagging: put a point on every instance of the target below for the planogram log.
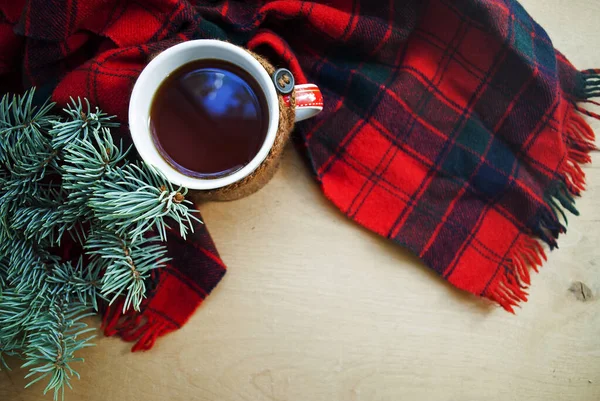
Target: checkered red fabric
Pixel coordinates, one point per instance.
(450, 127)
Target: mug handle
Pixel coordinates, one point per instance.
(309, 101)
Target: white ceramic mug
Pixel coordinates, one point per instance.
(309, 102)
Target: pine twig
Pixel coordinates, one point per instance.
(126, 264)
(136, 198)
(55, 337)
(21, 123)
(81, 122)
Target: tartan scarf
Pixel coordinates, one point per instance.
(450, 127)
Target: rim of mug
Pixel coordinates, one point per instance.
(139, 116)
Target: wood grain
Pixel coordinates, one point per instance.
(316, 308)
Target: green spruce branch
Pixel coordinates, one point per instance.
(126, 265)
(64, 175)
(136, 198)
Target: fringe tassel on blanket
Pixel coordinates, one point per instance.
(588, 88)
(143, 328)
(509, 285)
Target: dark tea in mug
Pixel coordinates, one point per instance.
(209, 118)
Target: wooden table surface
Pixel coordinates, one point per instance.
(315, 308)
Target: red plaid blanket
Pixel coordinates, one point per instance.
(450, 127)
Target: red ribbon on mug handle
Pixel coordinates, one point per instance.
(309, 101)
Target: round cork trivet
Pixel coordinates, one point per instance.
(263, 174)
